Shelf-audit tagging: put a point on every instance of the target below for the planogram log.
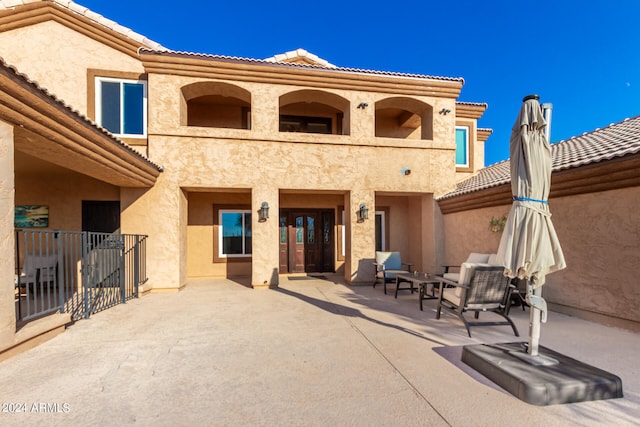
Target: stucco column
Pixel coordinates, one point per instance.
(428, 233)
(161, 213)
(7, 237)
(264, 111)
(361, 238)
(264, 238)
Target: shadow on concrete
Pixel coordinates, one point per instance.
(350, 312)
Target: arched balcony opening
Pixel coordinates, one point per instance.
(215, 104)
(404, 118)
(314, 111)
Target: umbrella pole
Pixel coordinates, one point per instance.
(534, 320)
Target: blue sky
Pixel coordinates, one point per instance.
(583, 57)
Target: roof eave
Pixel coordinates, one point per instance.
(242, 69)
(66, 138)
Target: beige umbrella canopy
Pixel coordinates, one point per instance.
(529, 246)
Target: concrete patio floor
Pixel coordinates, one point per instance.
(312, 352)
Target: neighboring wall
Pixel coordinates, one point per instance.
(600, 238)
(599, 235)
(469, 231)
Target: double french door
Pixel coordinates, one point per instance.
(306, 241)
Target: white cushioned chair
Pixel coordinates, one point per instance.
(388, 265)
(38, 270)
(473, 257)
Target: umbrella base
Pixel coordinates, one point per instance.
(537, 360)
(567, 381)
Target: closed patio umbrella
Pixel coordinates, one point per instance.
(529, 248)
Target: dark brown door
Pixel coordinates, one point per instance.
(100, 216)
(327, 241)
(309, 241)
(296, 243)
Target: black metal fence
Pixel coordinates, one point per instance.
(76, 272)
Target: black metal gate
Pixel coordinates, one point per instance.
(76, 272)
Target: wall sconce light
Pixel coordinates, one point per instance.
(362, 213)
(263, 212)
(363, 105)
(406, 170)
(445, 111)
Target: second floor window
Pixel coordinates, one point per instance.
(121, 106)
(462, 146)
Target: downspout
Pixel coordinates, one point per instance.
(547, 107)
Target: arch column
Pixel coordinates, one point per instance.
(264, 238)
(361, 238)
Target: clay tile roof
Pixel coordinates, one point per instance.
(64, 106)
(473, 104)
(81, 10)
(616, 140)
(274, 60)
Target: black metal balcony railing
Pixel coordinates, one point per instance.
(79, 273)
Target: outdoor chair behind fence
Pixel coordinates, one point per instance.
(79, 273)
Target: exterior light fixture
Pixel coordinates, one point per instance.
(406, 170)
(445, 111)
(363, 105)
(263, 212)
(362, 213)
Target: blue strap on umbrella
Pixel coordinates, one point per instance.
(527, 199)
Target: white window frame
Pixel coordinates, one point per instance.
(98, 104)
(463, 165)
(383, 231)
(344, 235)
(221, 234)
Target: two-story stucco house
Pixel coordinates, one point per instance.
(233, 167)
(310, 140)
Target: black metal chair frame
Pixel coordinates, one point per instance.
(488, 290)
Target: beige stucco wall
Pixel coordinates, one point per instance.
(7, 243)
(63, 191)
(214, 164)
(266, 163)
(599, 235)
(58, 58)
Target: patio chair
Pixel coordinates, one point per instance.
(388, 264)
(473, 257)
(38, 269)
(481, 287)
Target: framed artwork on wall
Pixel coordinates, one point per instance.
(31, 216)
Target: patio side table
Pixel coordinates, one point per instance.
(421, 280)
